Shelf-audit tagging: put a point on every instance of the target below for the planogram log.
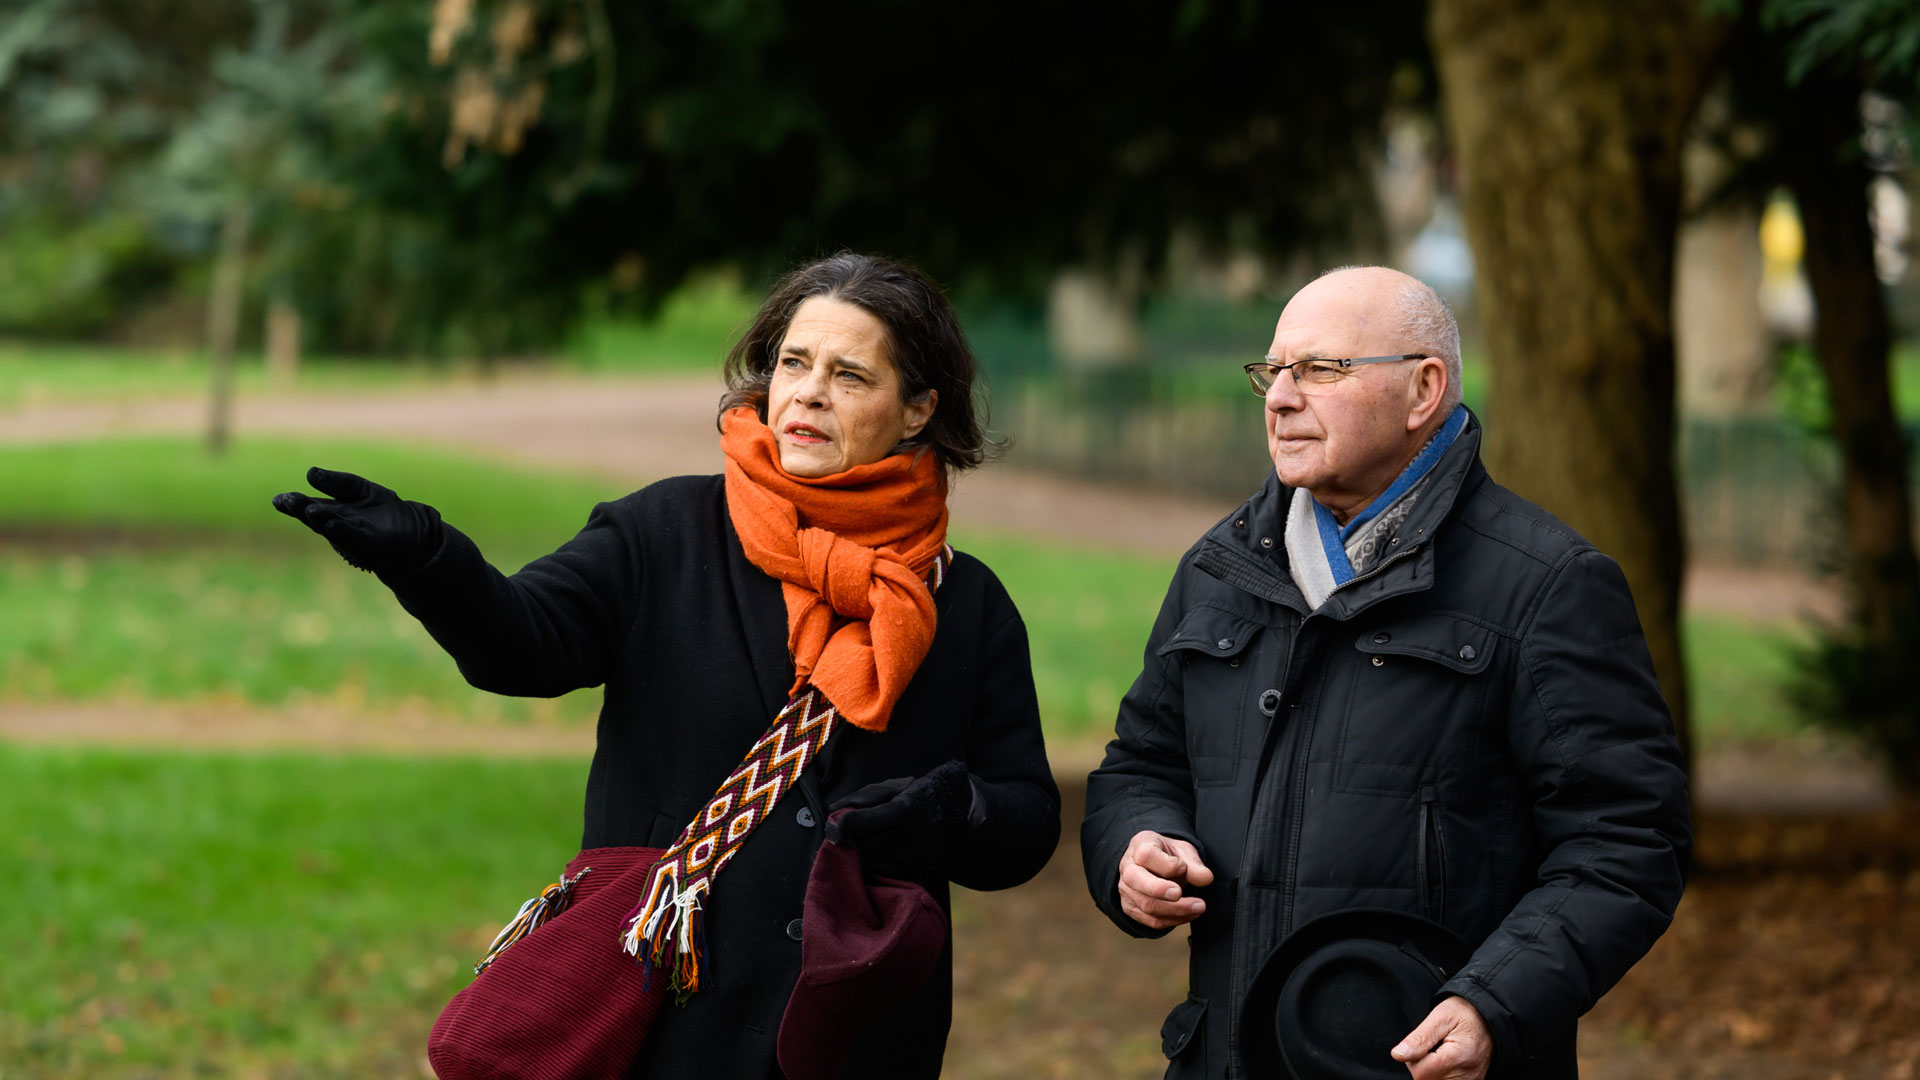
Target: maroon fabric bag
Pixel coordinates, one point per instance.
(868, 944)
(564, 1002)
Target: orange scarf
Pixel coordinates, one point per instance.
(852, 552)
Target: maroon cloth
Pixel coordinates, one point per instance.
(866, 944)
(562, 1003)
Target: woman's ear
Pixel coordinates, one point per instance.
(919, 411)
(1425, 392)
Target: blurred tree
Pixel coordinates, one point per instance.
(250, 162)
(559, 146)
(1567, 120)
(89, 91)
(1827, 78)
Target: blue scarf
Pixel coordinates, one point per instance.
(1317, 545)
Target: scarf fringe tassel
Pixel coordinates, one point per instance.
(552, 901)
(670, 936)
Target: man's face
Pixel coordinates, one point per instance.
(1346, 442)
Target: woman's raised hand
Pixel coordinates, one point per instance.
(370, 526)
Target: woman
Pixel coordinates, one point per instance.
(706, 605)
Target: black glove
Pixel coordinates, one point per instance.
(905, 827)
(370, 526)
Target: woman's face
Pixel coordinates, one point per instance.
(835, 398)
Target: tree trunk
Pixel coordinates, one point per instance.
(1851, 339)
(283, 341)
(1721, 341)
(1567, 120)
(1093, 320)
(223, 322)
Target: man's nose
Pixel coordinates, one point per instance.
(1284, 394)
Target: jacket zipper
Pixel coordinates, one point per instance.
(1432, 857)
(1390, 560)
(1302, 748)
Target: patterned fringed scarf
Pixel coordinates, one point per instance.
(664, 930)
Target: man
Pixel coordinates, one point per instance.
(1387, 682)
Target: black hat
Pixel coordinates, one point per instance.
(1339, 994)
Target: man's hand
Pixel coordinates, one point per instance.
(1151, 874)
(1450, 1044)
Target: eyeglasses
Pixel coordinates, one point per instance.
(1314, 375)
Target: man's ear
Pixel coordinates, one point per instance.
(919, 411)
(1425, 391)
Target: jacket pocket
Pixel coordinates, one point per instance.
(1183, 1033)
(1432, 857)
(1214, 649)
(1414, 702)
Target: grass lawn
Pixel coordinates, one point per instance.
(1738, 671)
(206, 594)
(36, 372)
(308, 914)
(239, 915)
(691, 332)
(170, 489)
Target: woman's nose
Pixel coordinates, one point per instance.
(812, 390)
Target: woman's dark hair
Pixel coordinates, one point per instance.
(924, 341)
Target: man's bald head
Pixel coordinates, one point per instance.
(1347, 435)
(1412, 313)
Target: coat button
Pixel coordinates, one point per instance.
(1266, 541)
(793, 929)
(1269, 702)
(1223, 644)
(1382, 638)
(1466, 652)
(1377, 662)
(804, 817)
(1240, 524)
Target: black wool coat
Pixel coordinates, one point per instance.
(1470, 732)
(656, 600)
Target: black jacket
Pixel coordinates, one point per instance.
(656, 599)
(1471, 732)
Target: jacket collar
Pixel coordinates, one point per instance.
(1247, 549)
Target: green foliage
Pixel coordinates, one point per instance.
(74, 280)
(1863, 686)
(194, 915)
(691, 332)
(508, 158)
(89, 93)
(1880, 37)
(455, 179)
(1737, 674)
